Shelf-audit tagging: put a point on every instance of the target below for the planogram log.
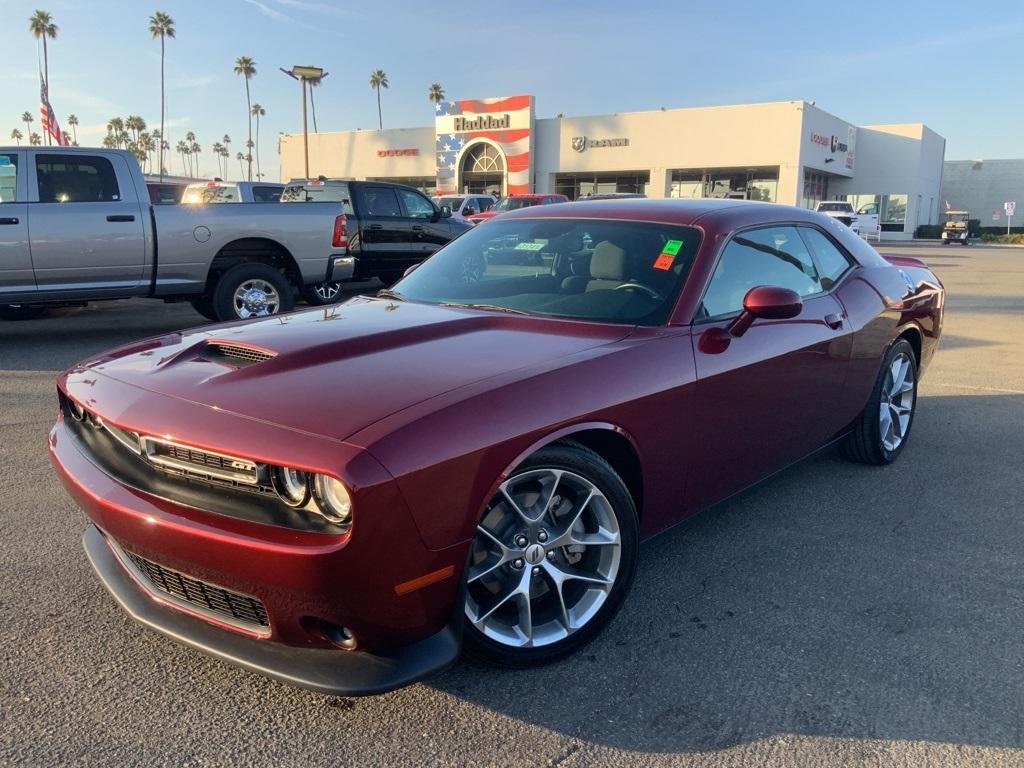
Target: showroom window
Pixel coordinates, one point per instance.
(425, 184)
(577, 185)
(728, 183)
(815, 188)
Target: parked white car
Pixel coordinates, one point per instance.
(841, 211)
(464, 206)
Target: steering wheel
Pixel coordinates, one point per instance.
(640, 287)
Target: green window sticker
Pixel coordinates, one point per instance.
(529, 246)
(672, 247)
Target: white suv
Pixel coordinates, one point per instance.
(842, 211)
(464, 206)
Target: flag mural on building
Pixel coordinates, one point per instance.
(505, 122)
(47, 118)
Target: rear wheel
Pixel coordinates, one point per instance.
(882, 429)
(204, 307)
(320, 294)
(251, 289)
(553, 557)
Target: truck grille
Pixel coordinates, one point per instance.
(212, 599)
(844, 219)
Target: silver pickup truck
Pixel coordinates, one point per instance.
(76, 225)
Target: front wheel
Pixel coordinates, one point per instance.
(251, 289)
(553, 557)
(321, 294)
(882, 429)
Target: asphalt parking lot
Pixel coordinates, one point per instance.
(839, 614)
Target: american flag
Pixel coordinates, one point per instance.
(48, 119)
(513, 142)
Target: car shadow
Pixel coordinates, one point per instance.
(836, 600)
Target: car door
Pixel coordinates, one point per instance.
(86, 228)
(15, 256)
(769, 396)
(430, 231)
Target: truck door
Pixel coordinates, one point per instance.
(15, 258)
(429, 231)
(86, 229)
(388, 243)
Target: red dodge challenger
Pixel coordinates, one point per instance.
(343, 498)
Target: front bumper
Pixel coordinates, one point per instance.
(329, 671)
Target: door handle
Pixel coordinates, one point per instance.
(9, 220)
(835, 322)
(121, 217)
(376, 226)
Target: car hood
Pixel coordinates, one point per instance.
(337, 370)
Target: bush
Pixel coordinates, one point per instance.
(1004, 239)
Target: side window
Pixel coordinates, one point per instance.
(484, 204)
(769, 256)
(416, 205)
(266, 194)
(76, 179)
(8, 178)
(380, 201)
(832, 261)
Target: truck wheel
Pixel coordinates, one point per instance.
(251, 289)
(320, 294)
(19, 311)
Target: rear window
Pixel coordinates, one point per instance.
(266, 194)
(319, 192)
(76, 179)
(515, 203)
(836, 207)
(200, 194)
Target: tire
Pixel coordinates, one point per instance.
(514, 563)
(390, 278)
(867, 443)
(228, 306)
(19, 311)
(322, 294)
(204, 307)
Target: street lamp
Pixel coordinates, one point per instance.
(304, 75)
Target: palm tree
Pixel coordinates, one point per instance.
(258, 111)
(161, 25)
(35, 139)
(17, 136)
(313, 83)
(26, 118)
(195, 149)
(216, 149)
(115, 128)
(246, 67)
(435, 93)
(225, 154)
(73, 125)
(41, 25)
(240, 157)
(182, 148)
(379, 80)
(136, 125)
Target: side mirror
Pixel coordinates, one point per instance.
(446, 211)
(410, 270)
(767, 302)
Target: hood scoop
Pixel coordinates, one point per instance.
(236, 355)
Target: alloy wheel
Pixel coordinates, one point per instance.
(545, 558)
(327, 292)
(256, 298)
(896, 405)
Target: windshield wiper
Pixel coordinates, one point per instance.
(488, 307)
(387, 293)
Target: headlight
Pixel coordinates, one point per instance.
(291, 485)
(332, 498)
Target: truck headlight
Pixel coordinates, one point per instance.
(332, 499)
(291, 485)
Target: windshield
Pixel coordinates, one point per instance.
(836, 207)
(515, 203)
(584, 269)
(207, 193)
(453, 203)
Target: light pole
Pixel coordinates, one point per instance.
(304, 75)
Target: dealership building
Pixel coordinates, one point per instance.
(786, 152)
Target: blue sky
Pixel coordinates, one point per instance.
(955, 66)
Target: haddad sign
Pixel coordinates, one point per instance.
(581, 143)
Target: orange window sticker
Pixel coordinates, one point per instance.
(664, 261)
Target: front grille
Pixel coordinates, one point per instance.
(235, 353)
(182, 458)
(213, 599)
(844, 219)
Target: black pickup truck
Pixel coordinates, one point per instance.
(386, 228)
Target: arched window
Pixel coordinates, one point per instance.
(483, 158)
